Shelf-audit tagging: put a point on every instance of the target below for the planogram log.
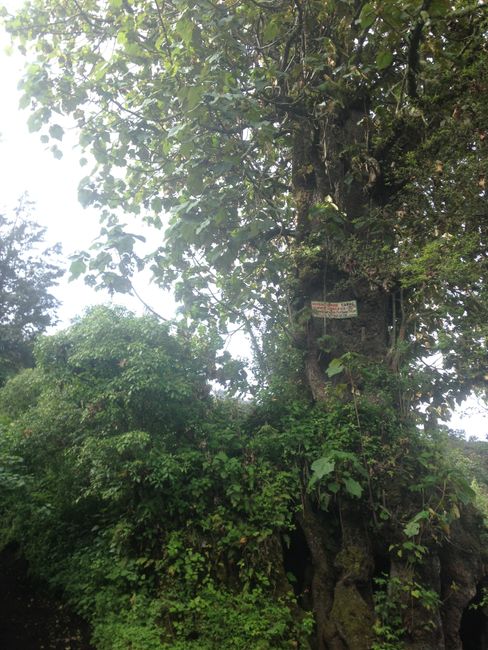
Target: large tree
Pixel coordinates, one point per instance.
(294, 151)
(28, 271)
(301, 150)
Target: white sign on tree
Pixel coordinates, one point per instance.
(348, 309)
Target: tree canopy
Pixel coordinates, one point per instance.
(27, 273)
(301, 150)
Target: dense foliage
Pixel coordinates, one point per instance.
(289, 152)
(302, 150)
(132, 491)
(28, 272)
(171, 520)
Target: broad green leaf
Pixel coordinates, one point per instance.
(384, 58)
(335, 368)
(464, 491)
(367, 16)
(193, 96)
(353, 487)
(156, 204)
(184, 28)
(24, 101)
(322, 467)
(291, 577)
(438, 8)
(85, 196)
(271, 30)
(116, 283)
(35, 122)
(77, 268)
(412, 529)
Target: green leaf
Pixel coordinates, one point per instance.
(322, 467)
(157, 204)
(56, 131)
(353, 487)
(116, 283)
(333, 487)
(335, 368)
(412, 529)
(367, 16)
(384, 58)
(464, 491)
(85, 196)
(193, 96)
(439, 8)
(184, 28)
(77, 268)
(34, 122)
(24, 101)
(271, 30)
(291, 578)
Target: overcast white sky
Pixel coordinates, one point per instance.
(26, 165)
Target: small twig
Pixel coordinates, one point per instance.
(165, 32)
(148, 307)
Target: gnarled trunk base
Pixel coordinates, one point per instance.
(339, 565)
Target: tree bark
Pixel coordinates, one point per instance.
(330, 163)
(327, 155)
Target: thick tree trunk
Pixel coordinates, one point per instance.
(323, 578)
(325, 151)
(324, 170)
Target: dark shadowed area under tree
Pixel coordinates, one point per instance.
(32, 618)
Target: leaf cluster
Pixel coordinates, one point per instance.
(28, 271)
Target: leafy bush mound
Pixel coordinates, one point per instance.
(134, 493)
(168, 518)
